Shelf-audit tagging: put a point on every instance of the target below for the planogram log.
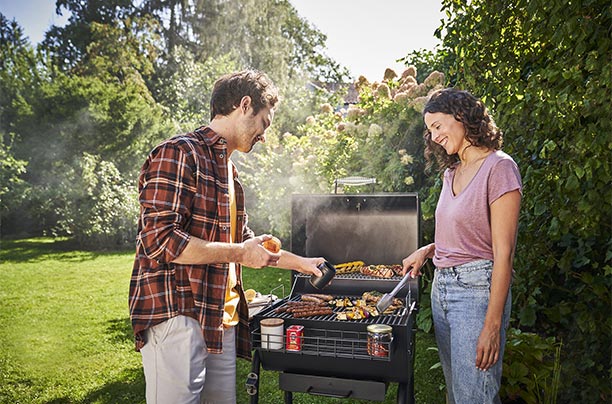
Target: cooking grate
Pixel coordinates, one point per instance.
(398, 317)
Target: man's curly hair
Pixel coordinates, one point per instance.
(480, 129)
(229, 89)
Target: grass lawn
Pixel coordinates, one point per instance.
(66, 336)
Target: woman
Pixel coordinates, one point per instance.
(473, 249)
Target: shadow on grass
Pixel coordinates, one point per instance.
(128, 389)
(39, 249)
(120, 330)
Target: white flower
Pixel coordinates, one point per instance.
(401, 97)
(327, 108)
(389, 74)
(383, 91)
(406, 159)
(374, 130)
(409, 180)
(353, 112)
(434, 79)
(410, 71)
(419, 103)
(409, 81)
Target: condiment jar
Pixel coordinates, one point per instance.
(379, 340)
(272, 333)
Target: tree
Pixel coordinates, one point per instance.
(68, 45)
(545, 69)
(267, 35)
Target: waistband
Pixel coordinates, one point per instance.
(478, 264)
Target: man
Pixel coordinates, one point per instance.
(187, 304)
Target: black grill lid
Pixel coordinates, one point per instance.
(374, 228)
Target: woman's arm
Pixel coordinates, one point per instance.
(504, 225)
(415, 261)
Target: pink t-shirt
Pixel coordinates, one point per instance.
(463, 222)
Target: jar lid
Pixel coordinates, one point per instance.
(271, 322)
(379, 328)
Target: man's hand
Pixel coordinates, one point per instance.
(254, 254)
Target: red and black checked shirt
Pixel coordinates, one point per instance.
(183, 192)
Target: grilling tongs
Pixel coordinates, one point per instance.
(385, 301)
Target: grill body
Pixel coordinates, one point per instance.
(334, 359)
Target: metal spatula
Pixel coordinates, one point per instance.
(385, 301)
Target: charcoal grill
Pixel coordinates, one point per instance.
(334, 359)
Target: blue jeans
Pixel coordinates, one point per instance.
(459, 301)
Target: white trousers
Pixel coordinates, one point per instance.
(179, 370)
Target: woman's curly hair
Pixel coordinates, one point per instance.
(480, 129)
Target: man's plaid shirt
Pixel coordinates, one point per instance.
(183, 192)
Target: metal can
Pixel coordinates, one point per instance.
(379, 340)
(294, 338)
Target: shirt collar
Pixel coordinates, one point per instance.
(209, 136)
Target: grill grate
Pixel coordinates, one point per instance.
(399, 317)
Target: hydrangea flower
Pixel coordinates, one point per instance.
(383, 91)
(375, 130)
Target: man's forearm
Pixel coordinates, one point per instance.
(200, 251)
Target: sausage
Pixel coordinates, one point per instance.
(310, 298)
(308, 313)
(319, 296)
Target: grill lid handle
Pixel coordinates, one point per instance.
(353, 181)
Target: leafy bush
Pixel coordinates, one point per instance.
(531, 368)
(545, 69)
(14, 191)
(90, 202)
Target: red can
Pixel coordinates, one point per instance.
(294, 338)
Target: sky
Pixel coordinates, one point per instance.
(366, 36)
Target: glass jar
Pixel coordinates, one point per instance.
(379, 340)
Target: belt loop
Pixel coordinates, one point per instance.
(454, 271)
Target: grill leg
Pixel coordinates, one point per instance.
(288, 397)
(252, 384)
(405, 393)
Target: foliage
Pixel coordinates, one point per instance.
(267, 35)
(14, 191)
(545, 70)
(90, 201)
(531, 368)
(121, 75)
(378, 137)
(186, 92)
(68, 45)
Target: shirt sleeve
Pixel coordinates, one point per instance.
(505, 177)
(166, 192)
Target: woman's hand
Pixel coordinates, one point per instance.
(415, 261)
(488, 347)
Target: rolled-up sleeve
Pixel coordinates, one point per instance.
(166, 190)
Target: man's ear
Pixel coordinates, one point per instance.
(245, 103)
